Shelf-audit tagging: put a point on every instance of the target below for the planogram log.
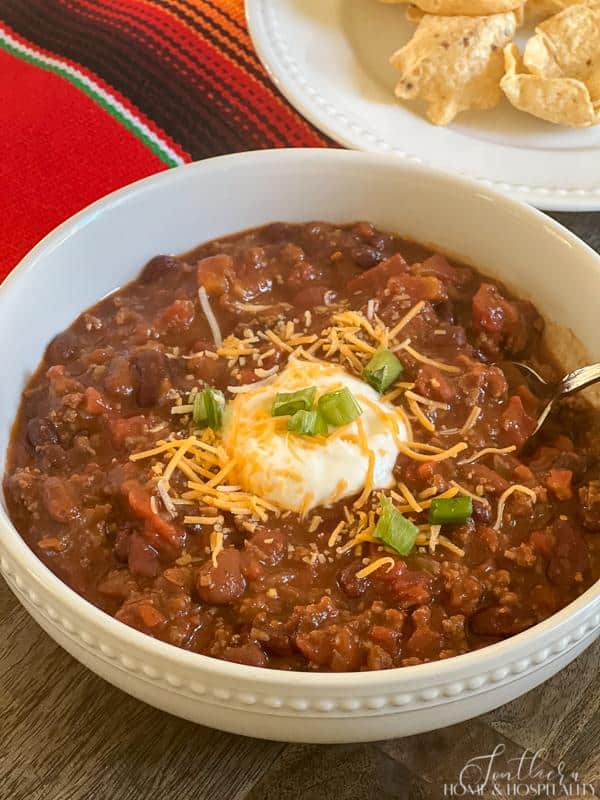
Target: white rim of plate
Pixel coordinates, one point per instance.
(272, 51)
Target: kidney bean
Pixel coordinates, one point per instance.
(150, 369)
(224, 582)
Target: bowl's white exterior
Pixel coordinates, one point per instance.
(105, 245)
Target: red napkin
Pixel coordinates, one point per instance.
(98, 93)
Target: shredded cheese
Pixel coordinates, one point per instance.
(314, 523)
(517, 487)
(258, 307)
(364, 444)
(471, 420)
(278, 342)
(385, 561)
(248, 387)
(364, 536)
(431, 361)
(335, 533)
(199, 520)
(427, 448)
(216, 545)
(410, 498)
(400, 389)
(176, 458)
(162, 488)
(210, 317)
(162, 447)
(434, 535)
(416, 309)
(407, 423)
(423, 420)
(418, 398)
(452, 452)
(467, 493)
(449, 493)
(183, 409)
(487, 451)
(445, 542)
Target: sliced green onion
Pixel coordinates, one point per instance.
(339, 407)
(287, 403)
(450, 511)
(208, 408)
(321, 426)
(307, 423)
(382, 370)
(394, 529)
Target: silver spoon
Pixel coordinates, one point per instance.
(573, 382)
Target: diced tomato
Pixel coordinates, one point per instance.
(542, 542)
(439, 265)
(559, 482)
(214, 274)
(178, 316)
(377, 277)
(141, 614)
(123, 428)
(417, 287)
(387, 638)
(523, 474)
(492, 313)
(150, 616)
(139, 502)
(530, 402)
(516, 423)
(94, 402)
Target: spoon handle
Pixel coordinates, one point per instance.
(579, 379)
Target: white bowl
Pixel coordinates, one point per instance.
(105, 245)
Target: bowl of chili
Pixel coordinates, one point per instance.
(282, 481)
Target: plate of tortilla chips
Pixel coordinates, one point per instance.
(504, 91)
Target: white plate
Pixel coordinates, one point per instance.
(330, 59)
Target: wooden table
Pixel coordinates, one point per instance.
(67, 735)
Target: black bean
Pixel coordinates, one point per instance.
(41, 431)
(365, 256)
(158, 267)
(62, 348)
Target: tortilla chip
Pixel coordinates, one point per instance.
(542, 9)
(463, 8)
(568, 46)
(417, 9)
(563, 101)
(414, 14)
(454, 63)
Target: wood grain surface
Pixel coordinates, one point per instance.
(67, 735)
